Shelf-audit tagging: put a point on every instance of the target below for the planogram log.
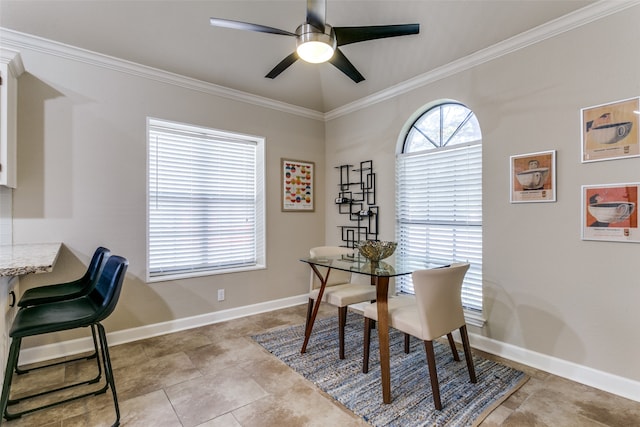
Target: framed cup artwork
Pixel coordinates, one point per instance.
(610, 212)
(611, 131)
(533, 177)
(298, 189)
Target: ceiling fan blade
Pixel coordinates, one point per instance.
(348, 35)
(238, 25)
(317, 13)
(343, 64)
(283, 65)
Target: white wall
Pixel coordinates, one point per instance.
(82, 182)
(546, 290)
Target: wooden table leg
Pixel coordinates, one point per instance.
(382, 289)
(323, 284)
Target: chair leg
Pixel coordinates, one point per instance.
(467, 353)
(452, 344)
(342, 322)
(93, 355)
(407, 343)
(367, 344)
(12, 362)
(108, 371)
(94, 380)
(433, 374)
(309, 312)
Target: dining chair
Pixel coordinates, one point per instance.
(85, 311)
(436, 311)
(341, 290)
(66, 291)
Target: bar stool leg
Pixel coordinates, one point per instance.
(12, 361)
(108, 370)
(94, 355)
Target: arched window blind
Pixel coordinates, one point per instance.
(206, 204)
(439, 197)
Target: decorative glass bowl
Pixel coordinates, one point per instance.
(376, 250)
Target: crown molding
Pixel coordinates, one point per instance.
(13, 60)
(583, 16)
(540, 33)
(18, 40)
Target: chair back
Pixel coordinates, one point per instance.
(97, 261)
(106, 292)
(438, 296)
(336, 277)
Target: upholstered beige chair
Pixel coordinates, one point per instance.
(342, 288)
(436, 310)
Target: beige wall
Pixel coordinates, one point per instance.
(82, 181)
(546, 290)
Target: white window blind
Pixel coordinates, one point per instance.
(439, 198)
(206, 204)
(439, 213)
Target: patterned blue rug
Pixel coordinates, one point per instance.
(464, 403)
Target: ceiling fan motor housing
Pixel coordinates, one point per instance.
(314, 45)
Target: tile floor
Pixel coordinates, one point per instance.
(216, 376)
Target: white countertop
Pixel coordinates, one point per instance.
(16, 260)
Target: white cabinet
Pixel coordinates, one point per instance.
(11, 68)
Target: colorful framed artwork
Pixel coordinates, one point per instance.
(610, 212)
(297, 185)
(533, 177)
(611, 131)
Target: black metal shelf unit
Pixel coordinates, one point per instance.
(357, 199)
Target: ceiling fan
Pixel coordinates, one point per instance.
(318, 41)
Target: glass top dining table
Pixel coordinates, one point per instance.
(380, 273)
(360, 265)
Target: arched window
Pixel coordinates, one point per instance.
(439, 195)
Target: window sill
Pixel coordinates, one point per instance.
(170, 277)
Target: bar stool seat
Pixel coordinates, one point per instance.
(69, 290)
(54, 317)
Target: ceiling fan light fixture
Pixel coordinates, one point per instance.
(315, 51)
(313, 45)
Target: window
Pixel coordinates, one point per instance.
(206, 201)
(439, 197)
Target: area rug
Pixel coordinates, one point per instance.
(464, 403)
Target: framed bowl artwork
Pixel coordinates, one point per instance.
(610, 212)
(533, 177)
(611, 131)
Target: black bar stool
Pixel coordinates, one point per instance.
(65, 291)
(85, 311)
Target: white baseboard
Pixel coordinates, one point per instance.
(621, 386)
(615, 384)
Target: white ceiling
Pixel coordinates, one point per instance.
(176, 36)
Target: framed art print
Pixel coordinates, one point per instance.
(533, 177)
(297, 193)
(611, 131)
(610, 212)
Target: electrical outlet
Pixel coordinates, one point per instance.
(220, 294)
